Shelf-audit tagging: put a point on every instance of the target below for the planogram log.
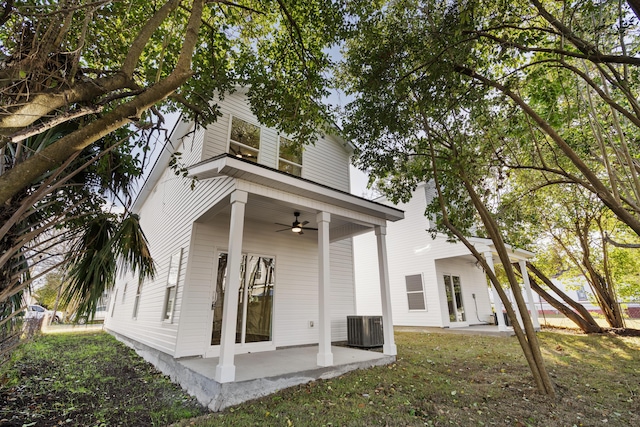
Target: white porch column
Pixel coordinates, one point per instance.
(325, 357)
(497, 302)
(530, 301)
(389, 347)
(226, 370)
(514, 304)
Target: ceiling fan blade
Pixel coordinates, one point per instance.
(304, 223)
(309, 228)
(284, 229)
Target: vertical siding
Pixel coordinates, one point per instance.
(326, 162)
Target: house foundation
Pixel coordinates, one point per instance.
(257, 374)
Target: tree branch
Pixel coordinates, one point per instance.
(15, 179)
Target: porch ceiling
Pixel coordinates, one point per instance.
(271, 212)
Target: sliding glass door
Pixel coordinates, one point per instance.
(255, 299)
(453, 291)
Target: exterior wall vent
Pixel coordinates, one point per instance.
(364, 331)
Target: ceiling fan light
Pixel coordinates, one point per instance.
(296, 229)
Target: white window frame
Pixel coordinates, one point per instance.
(115, 301)
(415, 292)
(248, 147)
(280, 159)
(136, 302)
(124, 293)
(171, 289)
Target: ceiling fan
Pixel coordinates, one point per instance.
(296, 226)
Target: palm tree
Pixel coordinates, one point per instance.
(63, 220)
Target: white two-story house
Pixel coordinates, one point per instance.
(256, 257)
(434, 282)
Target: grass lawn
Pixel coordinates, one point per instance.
(438, 379)
(87, 379)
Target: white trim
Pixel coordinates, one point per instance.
(250, 172)
(251, 122)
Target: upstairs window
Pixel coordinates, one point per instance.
(244, 140)
(290, 157)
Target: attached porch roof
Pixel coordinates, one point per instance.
(486, 245)
(226, 165)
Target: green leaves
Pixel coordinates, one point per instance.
(107, 246)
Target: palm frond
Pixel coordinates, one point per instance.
(132, 249)
(106, 246)
(91, 266)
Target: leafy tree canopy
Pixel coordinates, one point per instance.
(83, 89)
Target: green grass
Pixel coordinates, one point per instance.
(438, 380)
(87, 379)
(442, 380)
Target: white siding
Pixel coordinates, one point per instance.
(411, 250)
(296, 289)
(365, 259)
(326, 162)
(166, 219)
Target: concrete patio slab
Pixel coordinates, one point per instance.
(257, 374)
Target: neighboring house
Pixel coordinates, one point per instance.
(434, 283)
(234, 276)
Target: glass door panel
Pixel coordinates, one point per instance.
(449, 293)
(453, 289)
(255, 299)
(457, 289)
(217, 304)
(259, 299)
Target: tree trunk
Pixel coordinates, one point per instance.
(527, 339)
(580, 316)
(529, 343)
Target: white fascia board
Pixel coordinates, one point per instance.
(484, 245)
(227, 165)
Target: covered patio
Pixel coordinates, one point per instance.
(257, 374)
(256, 200)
